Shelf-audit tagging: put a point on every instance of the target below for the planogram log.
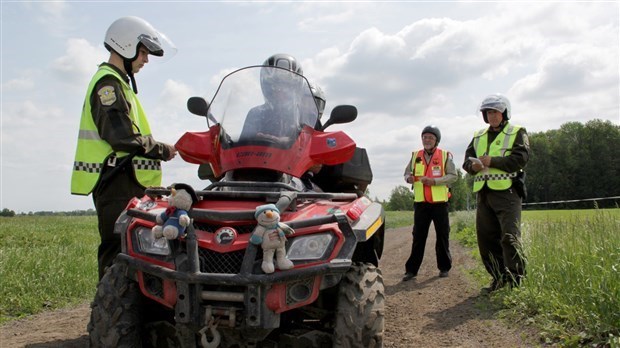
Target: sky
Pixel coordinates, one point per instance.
(403, 64)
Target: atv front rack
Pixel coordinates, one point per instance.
(245, 277)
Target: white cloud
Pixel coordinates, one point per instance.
(52, 15)
(18, 117)
(175, 93)
(318, 23)
(170, 118)
(571, 82)
(403, 64)
(79, 62)
(18, 84)
(568, 69)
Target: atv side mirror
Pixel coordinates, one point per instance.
(198, 106)
(341, 114)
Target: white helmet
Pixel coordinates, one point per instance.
(272, 73)
(319, 97)
(124, 35)
(495, 102)
(285, 61)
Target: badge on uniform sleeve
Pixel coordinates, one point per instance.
(107, 95)
(526, 140)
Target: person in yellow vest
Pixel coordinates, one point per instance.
(116, 155)
(496, 157)
(430, 170)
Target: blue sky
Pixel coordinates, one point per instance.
(404, 65)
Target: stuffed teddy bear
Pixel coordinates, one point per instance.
(270, 235)
(173, 221)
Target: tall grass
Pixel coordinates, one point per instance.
(463, 229)
(46, 262)
(395, 219)
(572, 288)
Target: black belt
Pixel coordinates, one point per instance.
(117, 164)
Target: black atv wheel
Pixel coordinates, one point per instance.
(115, 319)
(360, 309)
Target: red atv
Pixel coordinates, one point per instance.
(206, 288)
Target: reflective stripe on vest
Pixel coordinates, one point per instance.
(494, 178)
(93, 153)
(419, 168)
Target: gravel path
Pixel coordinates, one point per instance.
(425, 312)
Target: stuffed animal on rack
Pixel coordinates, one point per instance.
(175, 219)
(270, 234)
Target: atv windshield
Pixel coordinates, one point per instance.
(263, 105)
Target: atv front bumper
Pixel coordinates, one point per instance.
(250, 298)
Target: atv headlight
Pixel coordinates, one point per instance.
(147, 243)
(310, 247)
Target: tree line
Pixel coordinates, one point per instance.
(575, 162)
(11, 213)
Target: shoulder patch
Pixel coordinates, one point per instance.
(526, 140)
(107, 95)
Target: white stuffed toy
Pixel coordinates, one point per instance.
(174, 220)
(270, 235)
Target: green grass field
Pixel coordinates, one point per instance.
(572, 289)
(571, 293)
(46, 262)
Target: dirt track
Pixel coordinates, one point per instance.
(425, 312)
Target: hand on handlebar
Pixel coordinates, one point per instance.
(172, 152)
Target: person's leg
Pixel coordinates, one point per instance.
(421, 223)
(509, 215)
(441, 220)
(110, 200)
(488, 232)
(107, 213)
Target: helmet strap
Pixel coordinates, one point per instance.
(129, 70)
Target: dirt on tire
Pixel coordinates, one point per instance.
(361, 301)
(427, 311)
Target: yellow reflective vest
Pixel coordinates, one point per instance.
(436, 168)
(494, 178)
(93, 153)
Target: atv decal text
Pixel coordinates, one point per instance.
(254, 154)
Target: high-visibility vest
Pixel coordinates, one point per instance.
(496, 179)
(434, 169)
(93, 153)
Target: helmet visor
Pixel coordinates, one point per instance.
(320, 104)
(493, 105)
(152, 44)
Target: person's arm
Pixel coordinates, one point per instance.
(111, 116)
(450, 175)
(518, 157)
(408, 175)
(467, 163)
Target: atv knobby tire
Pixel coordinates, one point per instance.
(115, 319)
(360, 309)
